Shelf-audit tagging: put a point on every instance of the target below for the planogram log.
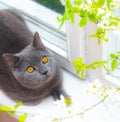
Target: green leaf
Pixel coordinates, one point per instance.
(118, 89)
(18, 105)
(114, 64)
(66, 16)
(83, 75)
(5, 109)
(77, 63)
(13, 111)
(67, 3)
(114, 23)
(100, 31)
(78, 2)
(104, 38)
(94, 65)
(61, 24)
(106, 69)
(83, 21)
(23, 117)
(80, 67)
(99, 41)
(68, 100)
(109, 3)
(92, 17)
(118, 52)
(72, 18)
(82, 13)
(112, 56)
(78, 70)
(58, 19)
(69, 7)
(100, 3)
(93, 35)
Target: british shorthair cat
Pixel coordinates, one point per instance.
(28, 70)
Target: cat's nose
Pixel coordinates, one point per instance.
(43, 70)
(45, 73)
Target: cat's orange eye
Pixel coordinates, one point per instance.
(44, 59)
(30, 69)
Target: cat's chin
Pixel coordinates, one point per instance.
(36, 84)
(28, 86)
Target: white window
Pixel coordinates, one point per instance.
(114, 44)
(67, 44)
(112, 47)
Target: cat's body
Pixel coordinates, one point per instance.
(28, 71)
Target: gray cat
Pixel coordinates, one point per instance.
(28, 71)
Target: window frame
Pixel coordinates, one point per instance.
(100, 52)
(112, 47)
(114, 76)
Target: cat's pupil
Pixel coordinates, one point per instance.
(30, 69)
(44, 59)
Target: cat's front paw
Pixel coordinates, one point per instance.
(68, 100)
(56, 96)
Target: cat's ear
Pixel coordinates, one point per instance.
(11, 60)
(37, 43)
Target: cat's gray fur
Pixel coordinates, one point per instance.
(19, 48)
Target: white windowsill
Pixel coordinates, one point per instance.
(113, 80)
(76, 88)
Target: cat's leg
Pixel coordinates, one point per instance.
(58, 91)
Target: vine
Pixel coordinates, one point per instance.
(102, 13)
(81, 67)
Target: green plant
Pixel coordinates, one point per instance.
(100, 12)
(12, 111)
(81, 67)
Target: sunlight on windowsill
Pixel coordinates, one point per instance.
(90, 102)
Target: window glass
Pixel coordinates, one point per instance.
(114, 40)
(113, 46)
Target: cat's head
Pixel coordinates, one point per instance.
(33, 66)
